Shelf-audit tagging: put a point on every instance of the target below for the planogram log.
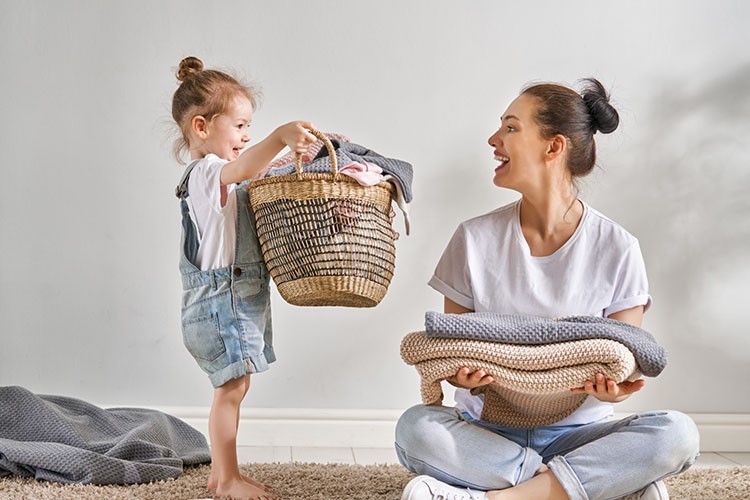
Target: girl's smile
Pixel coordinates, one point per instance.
(226, 134)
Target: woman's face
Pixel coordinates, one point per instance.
(519, 147)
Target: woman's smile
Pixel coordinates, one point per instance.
(503, 161)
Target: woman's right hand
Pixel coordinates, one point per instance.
(467, 379)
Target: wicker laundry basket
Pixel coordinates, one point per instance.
(327, 240)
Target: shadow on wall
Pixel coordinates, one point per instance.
(695, 169)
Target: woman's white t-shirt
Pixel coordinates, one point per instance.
(488, 267)
(216, 224)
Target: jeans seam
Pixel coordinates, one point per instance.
(567, 478)
(526, 472)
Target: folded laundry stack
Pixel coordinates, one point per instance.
(534, 361)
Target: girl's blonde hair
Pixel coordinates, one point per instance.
(203, 92)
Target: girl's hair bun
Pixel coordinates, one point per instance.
(604, 116)
(188, 67)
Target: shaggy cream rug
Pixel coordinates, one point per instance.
(336, 482)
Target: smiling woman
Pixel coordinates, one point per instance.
(553, 110)
(546, 255)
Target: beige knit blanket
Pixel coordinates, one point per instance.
(532, 383)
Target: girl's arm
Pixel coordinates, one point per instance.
(256, 158)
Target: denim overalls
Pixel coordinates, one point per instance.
(226, 312)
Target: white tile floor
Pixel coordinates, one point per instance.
(369, 456)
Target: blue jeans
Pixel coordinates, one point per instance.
(600, 460)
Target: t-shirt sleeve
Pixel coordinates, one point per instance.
(205, 182)
(631, 286)
(452, 275)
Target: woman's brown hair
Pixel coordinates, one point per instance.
(577, 117)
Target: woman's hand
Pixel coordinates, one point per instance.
(608, 390)
(467, 379)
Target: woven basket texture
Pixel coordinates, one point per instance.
(327, 240)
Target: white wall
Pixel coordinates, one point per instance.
(89, 226)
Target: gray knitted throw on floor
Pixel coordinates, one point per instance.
(534, 361)
(67, 440)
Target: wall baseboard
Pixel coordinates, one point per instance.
(720, 432)
(728, 432)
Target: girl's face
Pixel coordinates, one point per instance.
(227, 134)
(519, 147)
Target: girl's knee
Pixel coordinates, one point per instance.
(234, 390)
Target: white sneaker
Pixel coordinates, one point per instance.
(429, 488)
(654, 491)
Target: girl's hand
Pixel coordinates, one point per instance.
(608, 390)
(467, 379)
(296, 136)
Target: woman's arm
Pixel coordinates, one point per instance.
(450, 307)
(633, 316)
(609, 390)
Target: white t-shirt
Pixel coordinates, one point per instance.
(217, 224)
(488, 267)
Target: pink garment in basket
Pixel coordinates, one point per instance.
(366, 173)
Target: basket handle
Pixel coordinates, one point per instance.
(331, 154)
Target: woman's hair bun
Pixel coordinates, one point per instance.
(604, 116)
(188, 67)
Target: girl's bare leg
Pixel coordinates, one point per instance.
(222, 428)
(212, 481)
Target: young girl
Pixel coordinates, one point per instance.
(548, 254)
(226, 311)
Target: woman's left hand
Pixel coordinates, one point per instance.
(609, 391)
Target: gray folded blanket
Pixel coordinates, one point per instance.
(67, 440)
(532, 330)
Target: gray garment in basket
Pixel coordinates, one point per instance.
(67, 440)
(348, 152)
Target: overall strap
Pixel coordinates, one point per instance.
(190, 240)
(181, 191)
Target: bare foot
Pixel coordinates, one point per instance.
(242, 490)
(213, 482)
